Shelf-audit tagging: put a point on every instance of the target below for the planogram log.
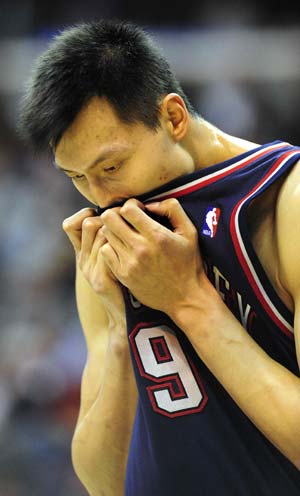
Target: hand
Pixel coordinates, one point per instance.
(83, 230)
(161, 267)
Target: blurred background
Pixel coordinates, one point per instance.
(239, 62)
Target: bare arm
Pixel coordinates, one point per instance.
(108, 401)
(108, 391)
(94, 323)
(264, 390)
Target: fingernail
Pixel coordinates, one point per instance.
(153, 204)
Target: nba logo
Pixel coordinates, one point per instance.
(210, 223)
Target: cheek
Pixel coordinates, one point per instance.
(165, 174)
(162, 173)
(155, 173)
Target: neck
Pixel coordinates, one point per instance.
(208, 145)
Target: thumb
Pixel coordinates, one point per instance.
(172, 209)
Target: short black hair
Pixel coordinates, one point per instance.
(107, 58)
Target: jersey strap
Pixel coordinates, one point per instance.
(209, 175)
(248, 259)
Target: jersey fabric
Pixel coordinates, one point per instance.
(189, 437)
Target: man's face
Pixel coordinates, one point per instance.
(110, 161)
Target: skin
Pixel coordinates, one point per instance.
(143, 159)
(143, 255)
(140, 160)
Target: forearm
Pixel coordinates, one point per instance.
(101, 444)
(108, 395)
(92, 314)
(94, 324)
(264, 390)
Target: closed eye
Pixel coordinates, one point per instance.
(111, 169)
(77, 177)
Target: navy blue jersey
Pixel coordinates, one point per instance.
(189, 436)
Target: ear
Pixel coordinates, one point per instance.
(174, 115)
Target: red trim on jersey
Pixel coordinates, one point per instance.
(243, 261)
(216, 176)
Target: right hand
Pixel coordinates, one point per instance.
(84, 233)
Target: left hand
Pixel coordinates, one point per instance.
(160, 267)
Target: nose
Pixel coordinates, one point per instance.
(102, 195)
(98, 192)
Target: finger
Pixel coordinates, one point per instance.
(90, 227)
(172, 209)
(119, 227)
(73, 225)
(110, 257)
(102, 264)
(132, 212)
(115, 242)
(99, 241)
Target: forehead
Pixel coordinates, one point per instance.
(96, 126)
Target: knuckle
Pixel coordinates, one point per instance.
(126, 208)
(66, 224)
(115, 210)
(172, 202)
(131, 202)
(74, 219)
(88, 223)
(87, 210)
(107, 214)
(160, 238)
(129, 206)
(104, 216)
(141, 252)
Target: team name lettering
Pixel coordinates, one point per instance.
(233, 299)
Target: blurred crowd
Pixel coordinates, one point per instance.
(42, 350)
(27, 17)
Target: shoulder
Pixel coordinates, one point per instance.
(287, 231)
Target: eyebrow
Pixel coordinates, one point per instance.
(105, 153)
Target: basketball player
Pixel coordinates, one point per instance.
(188, 276)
